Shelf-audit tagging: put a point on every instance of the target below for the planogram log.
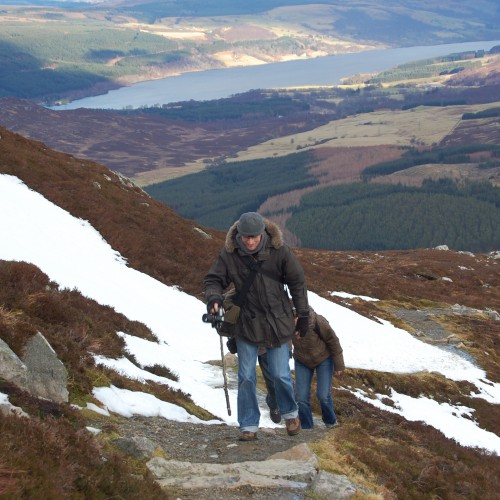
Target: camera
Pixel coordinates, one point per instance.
(214, 319)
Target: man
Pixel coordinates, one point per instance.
(266, 317)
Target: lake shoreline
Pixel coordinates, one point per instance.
(103, 88)
(325, 71)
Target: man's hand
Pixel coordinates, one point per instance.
(214, 304)
(302, 325)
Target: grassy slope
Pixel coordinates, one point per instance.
(424, 126)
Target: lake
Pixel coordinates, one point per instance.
(216, 84)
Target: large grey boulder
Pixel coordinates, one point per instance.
(47, 376)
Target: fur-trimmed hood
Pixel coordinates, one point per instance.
(266, 317)
(274, 232)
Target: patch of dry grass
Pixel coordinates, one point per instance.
(401, 459)
(481, 337)
(50, 458)
(162, 371)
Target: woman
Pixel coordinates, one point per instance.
(318, 351)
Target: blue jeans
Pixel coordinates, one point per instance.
(271, 393)
(279, 370)
(303, 379)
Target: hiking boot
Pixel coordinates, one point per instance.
(275, 415)
(292, 426)
(248, 436)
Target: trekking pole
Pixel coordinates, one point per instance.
(226, 392)
(216, 322)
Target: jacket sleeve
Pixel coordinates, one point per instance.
(331, 340)
(216, 280)
(295, 280)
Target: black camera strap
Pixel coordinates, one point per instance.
(254, 267)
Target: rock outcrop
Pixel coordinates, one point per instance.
(39, 372)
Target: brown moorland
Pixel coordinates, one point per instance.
(142, 144)
(178, 251)
(150, 149)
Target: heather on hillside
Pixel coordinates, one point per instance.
(53, 456)
(76, 327)
(54, 442)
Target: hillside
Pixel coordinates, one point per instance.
(147, 231)
(153, 237)
(457, 292)
(146, 146)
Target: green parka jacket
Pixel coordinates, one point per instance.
(266, 317)
(320, 343)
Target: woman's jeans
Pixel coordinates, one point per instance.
(303, 379)
(279, 369)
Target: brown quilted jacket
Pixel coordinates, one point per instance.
(320, 343)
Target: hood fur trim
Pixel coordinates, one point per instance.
(274, 232)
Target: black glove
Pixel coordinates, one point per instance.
(302, 325)
(214, 299)
(231, 345)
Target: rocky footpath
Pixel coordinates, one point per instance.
(199, 461)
